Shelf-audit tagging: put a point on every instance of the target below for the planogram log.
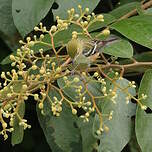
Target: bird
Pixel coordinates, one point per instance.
(84, 52)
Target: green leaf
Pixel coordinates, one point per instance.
(139, 9)
(143, 130)
(124, 9)
(121, 48)
(7, 60)
(143, 57)
(18, 133)
(8, 31)
(146, 88)
(122, 2)
(88, 140)
(60, 132)
(133, 144)
(120, 126)
(64, 5)
(143, 119)
(98, 25)
(138, 29)
(27, 14)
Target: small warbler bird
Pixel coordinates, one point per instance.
(86, 51)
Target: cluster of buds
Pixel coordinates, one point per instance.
(34, 72)
(56, 107)
(9, 112)
(23, 123)
(111, 94)
(41, 28)
(30, 74)
(7, 115)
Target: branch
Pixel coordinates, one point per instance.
(134, 11)
(127, 66)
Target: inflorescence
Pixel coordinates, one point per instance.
(32, 72)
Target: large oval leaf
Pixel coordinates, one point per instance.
(124, 9)
(88, 140)
(8, 30)
(27, 14)
(64, 5)
(138, 29)
(143, 119)
(60, 132)
(121, 48)
(120, 126)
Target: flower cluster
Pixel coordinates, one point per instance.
(36, 70)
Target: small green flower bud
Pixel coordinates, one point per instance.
(60, 21)
(24, 87)
(74, 111)
(12, 57)
(58, 69)
(20, 72)
(100, 17)
(9, 95)
(87, 114)
(87, 10)
(36, 28)
(42, 36)
(31, 43)
(85, 23)
(72, 10)
(96, 74)
(4, 125)
(53, 64)
(36, 97)
(106, 128)
(98, 132)
(57, 17)
(68, 11)
(21, 42)
(65, 78)
(76, 79)
(143, 107)
(3, 75)
(76, 15)
(34, 67)
(106, 32)
(79, 6)
(41, 105)
(42, 70)
(5, 136)
(65, 25)
(28, 39)
(53, 28)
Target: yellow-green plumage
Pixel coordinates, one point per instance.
(73, 47)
